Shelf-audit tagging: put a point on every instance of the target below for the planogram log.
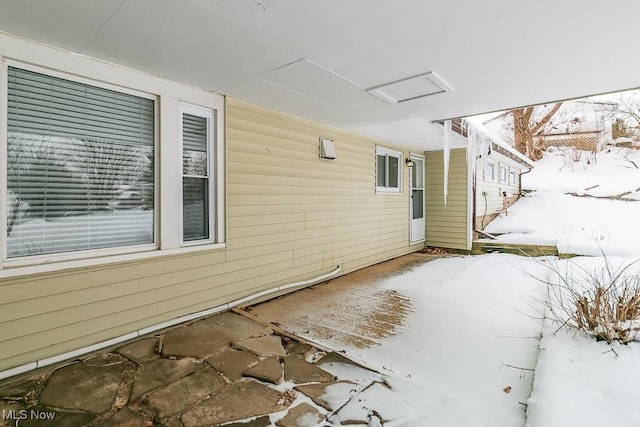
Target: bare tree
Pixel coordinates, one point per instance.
(625, 114)
(528, 124)
(105, 165)
(628, 106)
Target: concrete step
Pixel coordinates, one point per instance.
(482, 247)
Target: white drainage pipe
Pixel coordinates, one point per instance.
(108, 343)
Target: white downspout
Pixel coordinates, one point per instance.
(108, 343)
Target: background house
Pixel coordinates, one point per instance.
(498, 180)
(476, 194)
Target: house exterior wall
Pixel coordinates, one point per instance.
(489, 198)
(447, 225)
(289, 216)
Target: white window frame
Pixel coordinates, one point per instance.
(513, 173)
(491, 165)
(211, 167)
(168, 98)
(381, 151)
(88, 253)
(503, 177)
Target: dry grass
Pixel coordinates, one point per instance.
(604, 303)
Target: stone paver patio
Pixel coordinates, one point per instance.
(227, 369)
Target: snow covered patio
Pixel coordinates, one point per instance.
(456, 337)
(458, 342)
(451, 338)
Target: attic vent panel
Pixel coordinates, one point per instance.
(411, 88)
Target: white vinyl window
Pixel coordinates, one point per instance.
(80, 166)
(388, 170)
(512, 177)
(490, 171)
(502, 177)
(78, 169)
(197, 183)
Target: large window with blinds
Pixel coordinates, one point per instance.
(197, 127)
(80, 166)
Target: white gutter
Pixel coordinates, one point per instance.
(140, 332)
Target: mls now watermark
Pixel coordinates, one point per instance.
(28, 414)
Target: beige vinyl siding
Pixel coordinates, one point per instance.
(493, 202)
(446, 225)
(290, 216)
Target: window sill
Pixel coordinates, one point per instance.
(15, 269)
(388, 191)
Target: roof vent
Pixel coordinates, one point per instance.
(410, 88)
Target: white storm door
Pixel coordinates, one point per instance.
(417, 200)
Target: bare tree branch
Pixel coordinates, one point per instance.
(546, 118)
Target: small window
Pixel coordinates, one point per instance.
(197, 134)
(388, 170)
(503, 173)
(490, 171)
(512, 177)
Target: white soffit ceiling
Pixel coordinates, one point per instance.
(411, 88)
(416, 133)
(55, 25)
(316, 59)
(186, 42)
(310, 79)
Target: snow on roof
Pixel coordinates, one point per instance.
(473, 123)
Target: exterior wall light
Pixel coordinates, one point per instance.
(410, 163)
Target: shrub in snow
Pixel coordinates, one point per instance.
(603, 302)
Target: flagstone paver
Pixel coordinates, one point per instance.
(197, 340)
(266, 346)
(232, 363)
(303, 349)
(124, 418)
(239, 327)
(302, 415)
(88, 388)
(141, 351)
(220, 370)
(19, 389)
(376, 397)
(335, 357)
(235, 401)
(330, 396)
(269, 370)
(343, 367)
(160, 372)
(180, 395)
(263, 421)
(299, 371)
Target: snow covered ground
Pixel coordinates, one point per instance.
(465, 355)
(457, 358)
(587, 205)
(584, 204)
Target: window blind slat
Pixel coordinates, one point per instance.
(195, 190)
(80, 166)
(194, 133)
